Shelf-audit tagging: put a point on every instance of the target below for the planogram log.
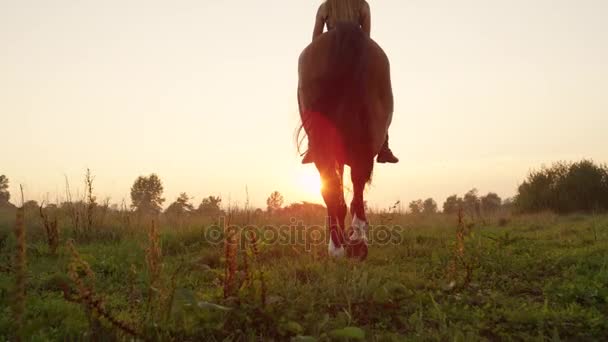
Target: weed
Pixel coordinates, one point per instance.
(83, 277)
(51, 230)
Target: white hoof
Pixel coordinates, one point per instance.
(335, 252)
(359, 229)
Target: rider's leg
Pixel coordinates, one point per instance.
(386, 155)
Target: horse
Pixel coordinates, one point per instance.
(345, 101)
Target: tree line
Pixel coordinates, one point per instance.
(564, 187)
(147, 199)
(471, 202)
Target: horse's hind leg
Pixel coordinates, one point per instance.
(333, 196)
(360, 174)
(357, 205)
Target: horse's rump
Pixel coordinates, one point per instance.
(345, 95)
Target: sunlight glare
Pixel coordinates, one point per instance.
(310, 181)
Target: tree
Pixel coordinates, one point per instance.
(452, 204)
(429, 206)
(416, 207)
(274, 202)
(508, 203)
(471, 202)
(31, 206)
(490, 203)
(565, 188)
(146, 195)
(4, 194)
(210, 206)
(304, 210)
(181, 206)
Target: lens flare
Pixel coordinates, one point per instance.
(310, 181)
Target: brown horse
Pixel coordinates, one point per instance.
(346, 107)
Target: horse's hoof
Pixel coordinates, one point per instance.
(356, 249)
(335, 252)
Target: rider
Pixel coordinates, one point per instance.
(334, 11)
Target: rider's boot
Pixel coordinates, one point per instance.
(386, 155)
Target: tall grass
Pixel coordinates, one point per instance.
(515, 277)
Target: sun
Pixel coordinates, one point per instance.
(310, 181)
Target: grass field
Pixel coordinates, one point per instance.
(541, 277)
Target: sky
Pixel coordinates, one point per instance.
(203, 93)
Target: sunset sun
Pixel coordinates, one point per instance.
(309, 181)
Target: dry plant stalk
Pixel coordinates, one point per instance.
(83, 276)
(153, 254)
(247, 280)
(154, 264)
(460, 232)
(459, 251)
(20, 268)
(52, 232)
(88, 181)
(230, 251)
(105, 207)
(80, 272)
(125, 216)
(74, 214)
(256, 253)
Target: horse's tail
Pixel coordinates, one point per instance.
(340, 122)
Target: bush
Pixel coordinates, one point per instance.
(565, 188)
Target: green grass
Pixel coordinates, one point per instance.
(541, 277)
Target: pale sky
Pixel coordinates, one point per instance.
(203, 94)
